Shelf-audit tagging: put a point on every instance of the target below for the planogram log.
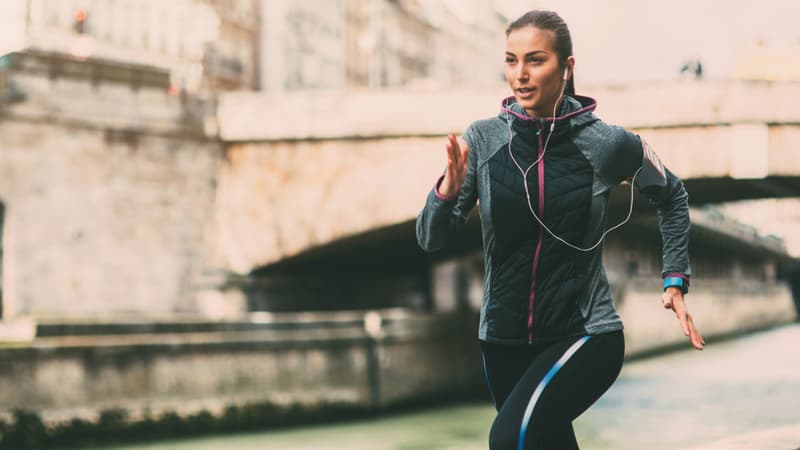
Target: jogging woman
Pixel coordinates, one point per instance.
(551, 340)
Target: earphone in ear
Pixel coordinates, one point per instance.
(566, 72)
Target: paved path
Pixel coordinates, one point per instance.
(781, 438)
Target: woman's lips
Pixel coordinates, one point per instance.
(525, 93)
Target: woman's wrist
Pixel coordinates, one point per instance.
(676, 280)
(444, 189)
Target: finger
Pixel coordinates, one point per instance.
(450, 156)
(698, 340)
(694, 338)
(450, 169)
(680, 311)
(666, 300)
(451, 140)
(451, 153)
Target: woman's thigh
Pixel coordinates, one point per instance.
(503, 367)
(557, 386)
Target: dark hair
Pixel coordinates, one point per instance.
(548, 20)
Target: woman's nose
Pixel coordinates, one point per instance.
(521, 74)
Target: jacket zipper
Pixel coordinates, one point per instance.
(538, 251)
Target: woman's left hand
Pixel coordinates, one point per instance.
(673, 299)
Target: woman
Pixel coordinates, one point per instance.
(552, 342)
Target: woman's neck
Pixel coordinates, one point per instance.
(552, 111)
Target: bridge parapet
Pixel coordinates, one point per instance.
(381, 114)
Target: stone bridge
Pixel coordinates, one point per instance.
(310, 169)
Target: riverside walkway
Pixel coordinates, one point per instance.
(737, 394)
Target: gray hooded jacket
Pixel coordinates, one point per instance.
(536, 288)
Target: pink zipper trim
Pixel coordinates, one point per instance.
(538, 244)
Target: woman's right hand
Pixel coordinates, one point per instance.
(457, 152)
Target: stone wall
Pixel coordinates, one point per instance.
(365, 360)
(107, 187)
(321, 362)
(102, 222)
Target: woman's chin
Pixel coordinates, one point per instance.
(526, 104)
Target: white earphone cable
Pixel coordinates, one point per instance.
(527, 192)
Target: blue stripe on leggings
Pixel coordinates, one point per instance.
(542, 384)
(486, 375)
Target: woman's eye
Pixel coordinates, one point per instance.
(509, 60)
(535, 60)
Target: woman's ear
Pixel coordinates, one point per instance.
(569, 67)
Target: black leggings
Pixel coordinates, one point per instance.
(539, 390)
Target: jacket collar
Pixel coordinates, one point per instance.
(575, 110)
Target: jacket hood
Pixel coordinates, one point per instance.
(576, 110)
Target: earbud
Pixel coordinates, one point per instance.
(566, 72)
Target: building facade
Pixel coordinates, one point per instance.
(231, 61)
(357, 44)
(302, 44)
(468, 42)
(204, 44)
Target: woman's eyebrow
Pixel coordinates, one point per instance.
(528, 54)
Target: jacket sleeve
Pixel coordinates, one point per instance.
(442, 216)
(666, 192)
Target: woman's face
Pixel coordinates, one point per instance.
(533, 71)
